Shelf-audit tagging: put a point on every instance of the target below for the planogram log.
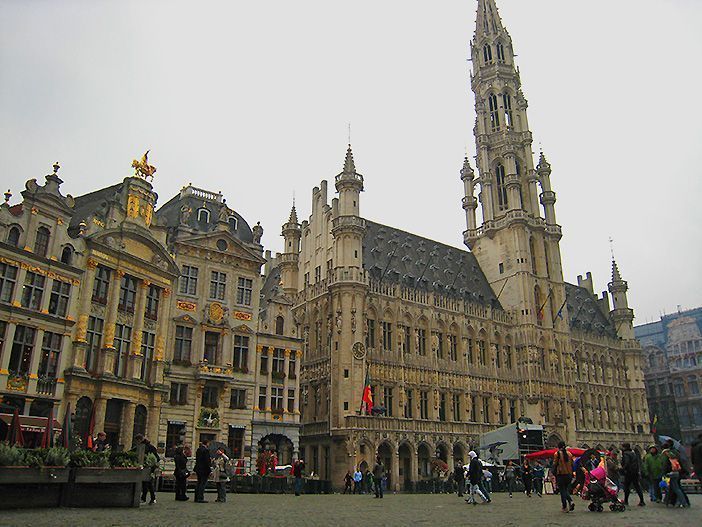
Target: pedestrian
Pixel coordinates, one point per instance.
(220, 475)
(203, 468)
(348, 482)
(180, 457)
(369, 481)
(487, 480)
(653, 468)
(378, 474)
(143, 447)
(696, 456)
(475, 475)
(527, 476)
(459, 477)
(509, 476)
(538, 475)
(100, 444)
(297, 470)
(674, 470)
(358, 481)
(631, 470)
(563, 463)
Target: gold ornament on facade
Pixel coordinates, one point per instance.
(216, 312)
(142, 168)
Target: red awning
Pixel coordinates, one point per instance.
(31, 423)
(549, 453)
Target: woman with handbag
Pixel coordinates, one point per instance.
(220, 475)
(180, 457)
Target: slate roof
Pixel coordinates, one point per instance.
(395, 256)
(585, 312)
(271, 287)
(95, 202)
(169, 214)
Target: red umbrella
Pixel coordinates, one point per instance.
(15, 436)
(47, 438)
(67, 427)
(543, 454)
(91, 426)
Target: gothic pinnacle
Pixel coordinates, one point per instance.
(466, 170)
(616, 277)
(293, 215)
(543, 164)
(488, 21)
(349, 165)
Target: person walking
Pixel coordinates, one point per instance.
(459, 476)
(348, 482)
(475, 474)
(378, 474)
(220, 475)
(673, 469)
(527, 476)
(203, 468)
(563, 463)
(631, 470)
(143, 447)
(358, 481)
(487, 481)
(653, 468)
(297, 469)
(180, 473)
(696, 455)
(538, 475)
(509, 476)
(369, 482)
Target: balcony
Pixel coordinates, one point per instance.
(348, 224)
(46, 385)
(211, 372)
(395, 424)
(348, 275)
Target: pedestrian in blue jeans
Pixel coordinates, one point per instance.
(298, 467)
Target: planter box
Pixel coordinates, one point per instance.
(104, 487)
(25, 487)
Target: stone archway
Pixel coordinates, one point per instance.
(424, 456)
(406, 474)
(84, 407)
(459, 453)
(553, 440)
(385, 453)
(280, 444)
(442, 452)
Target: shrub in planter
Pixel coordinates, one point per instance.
(11, 456)
(88, 458)
(57, 457)
(124, 460)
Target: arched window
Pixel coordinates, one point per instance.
(692, 386)
(507, 103)
(232, 222)
(67, 255)
(279, 325)
(487, 53)
(501, 188)
(494, 116)
(41, 245)
(500, 49)
(548, 268)
(13, 236)
(537, 303)
(203, 215)
(140, 415)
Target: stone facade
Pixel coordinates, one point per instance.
(672, 349)
(456, 343)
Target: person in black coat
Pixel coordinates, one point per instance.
(631, 468)
(459, 477)
(143, 447)
(180, 457)
(203, 467)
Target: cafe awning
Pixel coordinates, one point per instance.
(31, 423)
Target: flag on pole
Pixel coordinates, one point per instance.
(67, 427)
(367, 399)
(560, 311)
(654, 425)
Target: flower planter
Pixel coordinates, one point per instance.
(27, 487)
(104, 487)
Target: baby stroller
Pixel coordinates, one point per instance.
(599, 489)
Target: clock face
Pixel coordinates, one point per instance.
(359, 350)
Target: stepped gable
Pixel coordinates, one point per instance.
(585, 313)
(395, 256)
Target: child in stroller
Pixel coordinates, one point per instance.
(599, 489)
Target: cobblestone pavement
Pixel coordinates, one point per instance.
(401, 509)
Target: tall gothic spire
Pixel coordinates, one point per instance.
(293, 214)
(349, 165)
(488, 21)
(616, 276)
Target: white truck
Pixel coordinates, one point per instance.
(512, 441)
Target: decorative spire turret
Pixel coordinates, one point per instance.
(467, 170)
(544, 167)
(622, 315)
(293, 215)
(616, 276)
(488, 21)
(349, 165)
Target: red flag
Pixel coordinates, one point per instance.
(91, 426)
(15, 436)
(367, 394)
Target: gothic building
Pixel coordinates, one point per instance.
(456, 342)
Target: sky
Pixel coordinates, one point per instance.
(255, 98)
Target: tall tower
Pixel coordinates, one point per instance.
(517, 244)
(289, 265)
(622, 315)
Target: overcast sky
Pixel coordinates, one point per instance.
(253, 99)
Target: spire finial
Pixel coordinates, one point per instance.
(349, 133)
(293, 212)
(56, 167)
(349, 165)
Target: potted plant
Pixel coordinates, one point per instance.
(32, 478)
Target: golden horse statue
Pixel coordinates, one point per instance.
(142, 167)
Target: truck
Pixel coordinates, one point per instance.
(512, 441)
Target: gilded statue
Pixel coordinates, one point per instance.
(142, 168)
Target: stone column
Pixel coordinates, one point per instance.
(414, 465)
(153, 419)
(106, 364)
(396, 471)
(164, 313)
(257, 376)
(100, 408)
(35, 360)
(126, 432)
(5, 357)
(298, 354)
(269, 379)
(286, 381)
(486, 199)
(136, 358)
(81, 328)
